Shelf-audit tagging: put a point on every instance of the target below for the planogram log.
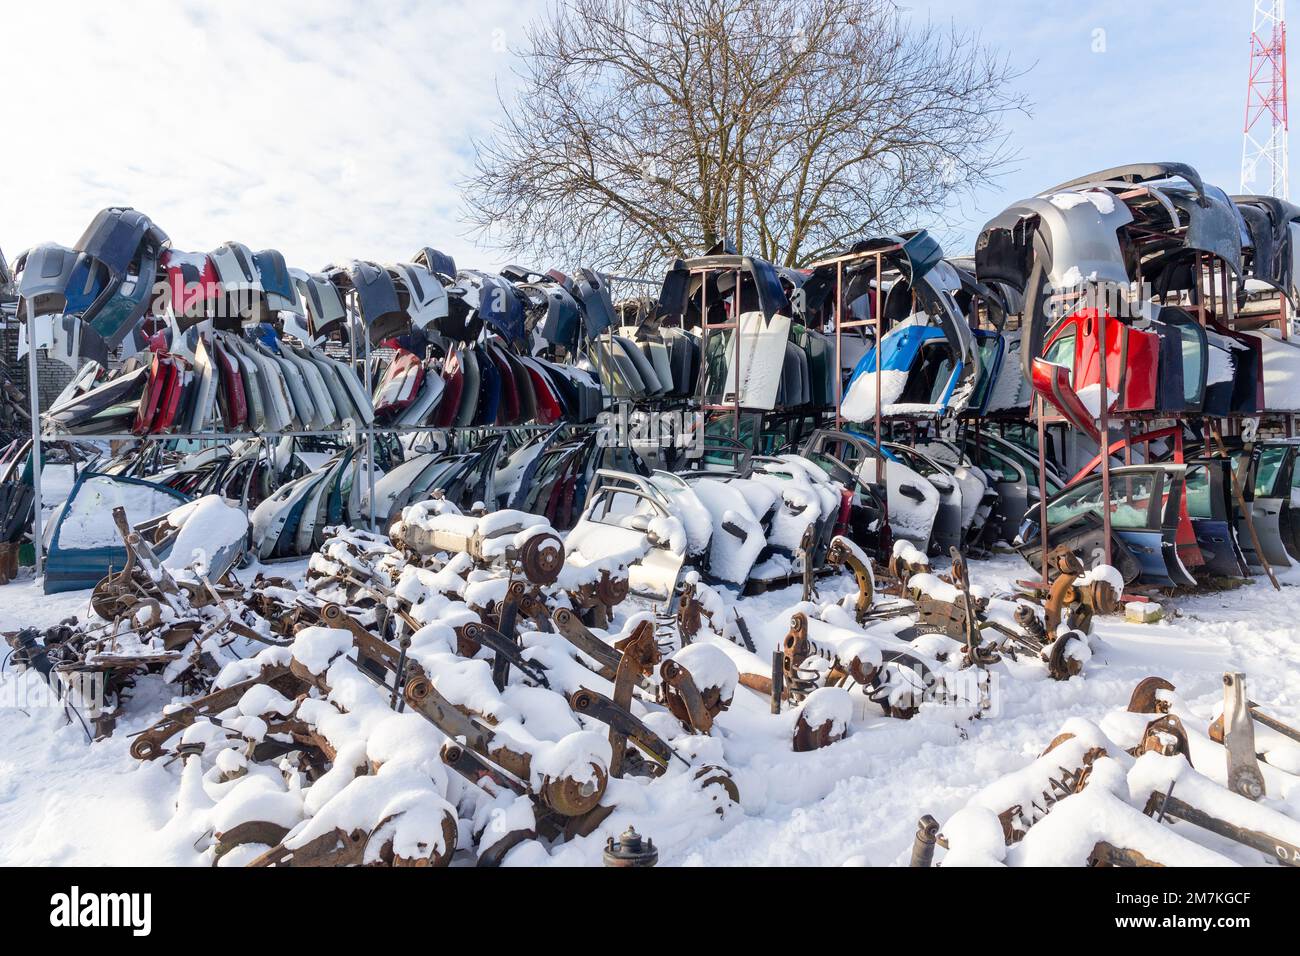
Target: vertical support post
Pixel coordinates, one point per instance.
(34, 399)
(370, 426)
(1043, 536)
(705, 332)
(736, 337)
(839, 332)
(876, 327)
(1103, 423)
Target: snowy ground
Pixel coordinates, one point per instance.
(63, 801)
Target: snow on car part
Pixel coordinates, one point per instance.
(762, 351)
(1011, 391)
(210, 538)
(1274, 752)
(823, 718)
(1106, 795)
(628, 523)
(808, 497)
(949, 529)
(913, 501)
(738, 536)
(83, 543)
(1281, 371)
(500, 536)
(696, 519)
(918, 375)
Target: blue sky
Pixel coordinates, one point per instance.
(1170, 85)
(335, 130)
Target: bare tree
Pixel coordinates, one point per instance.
(650, 129)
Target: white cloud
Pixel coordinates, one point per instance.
(327, 130)
(334, 130)
(1170, 86)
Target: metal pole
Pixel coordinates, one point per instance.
(839, 332)
(370, 427)
(877, 327)
(34, 399)
(736, 312)
(1104, 422)
(1042, 486)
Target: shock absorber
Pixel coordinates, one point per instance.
(798, 681)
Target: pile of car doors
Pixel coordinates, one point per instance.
(245, 472)
(929, 363)
(1099, 233)
(647, 362)
(1269, 481)
(483, 384)
(1196, 526)
(760, 354)
(292, 520)
(1275, 501)
(1170, 364)
(553, 474)
(265, 384)
(938, 497)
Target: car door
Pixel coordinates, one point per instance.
(1208, 491)
(1268, 479)
(947, 529)
(1010, 482)
(1145, 509)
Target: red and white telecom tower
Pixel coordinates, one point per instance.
(1264, 160)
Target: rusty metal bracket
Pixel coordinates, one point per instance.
(1244, 776)
(842, 554)
(1145, 697)
(684, 700)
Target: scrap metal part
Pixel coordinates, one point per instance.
(1146, 699)
(1163, 804)
(807, 737)
(842, 553)
(1244, 776)
(1107, 854)
(631, 850)
(565, 795)
(540, 557)
(927, 833)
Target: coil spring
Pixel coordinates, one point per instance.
(667, 636)
(802, 682)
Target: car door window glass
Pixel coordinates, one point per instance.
(1197, 490)
(1080, 500)
(1192, 358)
(1130, 499)
(1061, 352)
(1271, 458)
(999, 468)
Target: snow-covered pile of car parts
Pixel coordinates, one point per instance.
(1156, 784)
(478, 686)
(542, 637)
(1181, 295)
